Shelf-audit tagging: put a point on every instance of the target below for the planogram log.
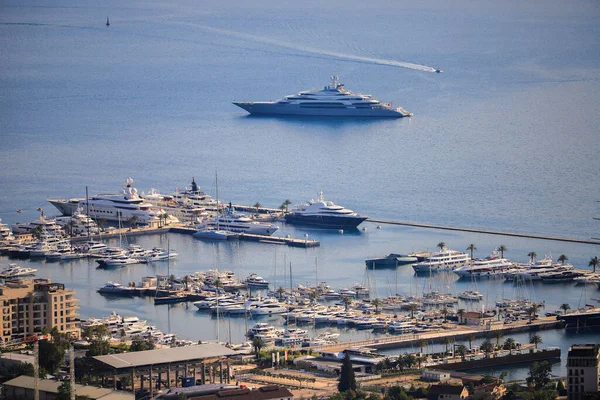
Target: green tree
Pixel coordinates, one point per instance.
(594, 262)
(347, 380)
(509, 344)
(532, 311)
(98, 347)
(535, 339)
(37, 231)
(471, 338)
(471, 248)
(376, 303)
(347, 301)
(539, 374)
(422, 343)
(532, 255)
(412, 308)
(502, 248)
(17, 369)
(64, 391)
(139, 344)
(487, 347)
(52, 355)
(409, 360)
(287, 203)
(133, 221)
(562, 258)
(565, 307)
(280, 292)
(257, 205)
(257, 344)
(460, 313)
(441, 246)
(447, 341)
(445, 312)
(498, 335)
(461, 349)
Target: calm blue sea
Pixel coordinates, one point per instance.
(506, 138)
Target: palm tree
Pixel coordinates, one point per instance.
(532, 311)
(594, 262)
(376, 303)
(461, 349)
(565, 307)
(502, 248)
(471, 248)
(422, 343)
(487, 347)
(447, 340)
(257, 205)
(444, 312)
(441, 245)
(347, 301)
(535, 339)
(133, 221)
(532, 255)
(186, 281)
(509, 344)
(460, 313)
(471, 338)
(498, 335)
(287, 203)
(562, 258)
(412, 308)
(257, 344)
(280, 292)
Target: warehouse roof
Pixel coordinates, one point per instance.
(165, 355)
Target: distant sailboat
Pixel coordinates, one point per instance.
(107, 22)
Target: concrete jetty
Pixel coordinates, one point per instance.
(460, 332)
(488, 232)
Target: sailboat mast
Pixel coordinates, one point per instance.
(87, 204)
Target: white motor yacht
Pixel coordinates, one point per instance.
(15, 271)
(269, 308)
(489, 267)
(333, 100)
(445, 260)
(234, 221)
(256, 282)
(116, 288)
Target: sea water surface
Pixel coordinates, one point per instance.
(506, 138)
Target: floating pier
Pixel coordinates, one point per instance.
(292, 242)
(486, 231)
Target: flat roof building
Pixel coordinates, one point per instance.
(22, 387)
(29, 306)
(582, 370)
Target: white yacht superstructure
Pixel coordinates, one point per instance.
(333, 100)
(489, 267)
(445, 260)
(234, 221)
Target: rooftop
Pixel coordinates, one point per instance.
(263, 393)
(584, 350)
(166, 355)
(47, 385)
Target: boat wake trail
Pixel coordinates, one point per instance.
(314, 50)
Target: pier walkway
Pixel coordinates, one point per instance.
(486, 231)
(460, 332)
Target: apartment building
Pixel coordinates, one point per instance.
(29, 306)
(582, 370)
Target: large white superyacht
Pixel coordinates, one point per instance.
(112, 207)
(333, 100)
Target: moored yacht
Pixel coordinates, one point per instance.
(257, 282)
(445, 260)
(333, 100)
(324, 214)
(489, 267)
(238, 222)
(124, 206)
(48, 225)
(15, 271)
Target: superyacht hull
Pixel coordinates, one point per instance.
(275, 109)
(66, 207)
(327, 222)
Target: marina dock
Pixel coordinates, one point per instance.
(459, 333)
(292, 242)
(187, 230)
(487, 231)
